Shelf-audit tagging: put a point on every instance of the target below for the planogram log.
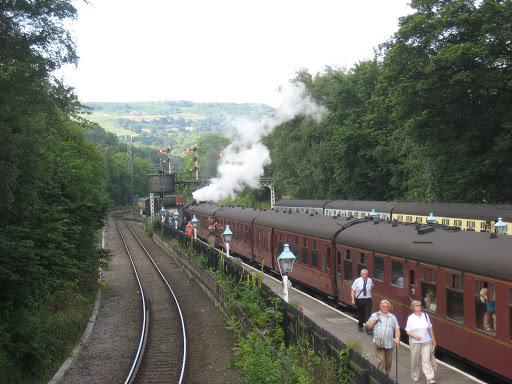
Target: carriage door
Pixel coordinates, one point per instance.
(337, 267)
(412, 285)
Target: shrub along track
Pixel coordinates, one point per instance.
(108, 355)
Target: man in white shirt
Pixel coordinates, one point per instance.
(362, 297)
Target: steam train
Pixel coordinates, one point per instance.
(442, 266)
(469, 217)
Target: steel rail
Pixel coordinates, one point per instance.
(182, 320)
(144, 329)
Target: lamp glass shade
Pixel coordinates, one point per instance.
(374, 215)
(227, 235)
(176, 214)
(501, 227)
(194, 221)
(286, 260)
(431, 219)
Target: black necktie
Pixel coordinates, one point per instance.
(364, 288)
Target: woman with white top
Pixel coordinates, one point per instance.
(422, 342)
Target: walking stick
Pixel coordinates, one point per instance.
(396, 364)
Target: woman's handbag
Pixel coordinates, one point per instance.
(379, 341)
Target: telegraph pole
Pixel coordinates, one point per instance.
(130, 164)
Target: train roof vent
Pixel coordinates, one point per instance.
(423, 230)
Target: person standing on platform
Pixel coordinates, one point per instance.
(386, 335)
(422, 342)
(362, 297)
(189, 230)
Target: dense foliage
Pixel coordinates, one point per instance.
(428, 119)
(52, 194)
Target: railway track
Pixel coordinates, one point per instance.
(162, 347)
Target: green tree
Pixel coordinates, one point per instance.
(52, 188)
(447, 75)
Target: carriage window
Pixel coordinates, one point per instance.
(428, 292)
(378, 268)
(485, 306)
(419, 219)
(305, 251)
(347, 266)
(397, 273)
(457, 223)
(361, 263)
(314, 254)
(471, 225)
(338, 262)
(288, 239)
(454, 297)
(445, 221)
(428, 288)
(408, 219)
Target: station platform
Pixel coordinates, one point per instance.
(344, 327)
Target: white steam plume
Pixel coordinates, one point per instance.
(246, 156)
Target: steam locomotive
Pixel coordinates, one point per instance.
(442, 266)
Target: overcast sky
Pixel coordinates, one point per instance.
(219, 50)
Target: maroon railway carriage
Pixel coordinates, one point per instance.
(443, 268)
(311, 240)
(203, 213)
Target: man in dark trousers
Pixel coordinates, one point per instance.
(362, 297)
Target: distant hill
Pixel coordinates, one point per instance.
(154, 123)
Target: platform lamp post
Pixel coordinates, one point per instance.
(285, 262)
(194, 222)
(162, 214)
(227, 236)
(501, 227)
(431, 219)
(176, 216)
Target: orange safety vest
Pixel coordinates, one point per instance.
(188, 230)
